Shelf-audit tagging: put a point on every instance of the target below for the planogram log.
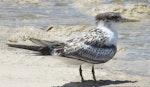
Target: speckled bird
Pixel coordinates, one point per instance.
(95, 46)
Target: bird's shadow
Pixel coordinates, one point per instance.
(90, 83)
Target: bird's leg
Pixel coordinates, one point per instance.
(93, 73)
(80, 70)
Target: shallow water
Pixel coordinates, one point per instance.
(126, 1)
(48, 13)
(134, 36)
(15, 15)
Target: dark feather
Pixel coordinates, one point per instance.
(27, 47)
(108, 16)
(41, 49)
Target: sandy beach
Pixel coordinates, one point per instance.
(22, 68)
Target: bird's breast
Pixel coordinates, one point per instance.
(112, 36)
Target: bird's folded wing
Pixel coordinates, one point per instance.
(90, 47)
(44, 43)
(27, 47)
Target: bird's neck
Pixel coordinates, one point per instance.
(108, 25)
(110, 31)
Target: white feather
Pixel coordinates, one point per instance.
(111, 33)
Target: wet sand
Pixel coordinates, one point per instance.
(22, 68)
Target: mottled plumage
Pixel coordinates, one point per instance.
(90, 47)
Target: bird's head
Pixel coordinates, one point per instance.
(108, 18)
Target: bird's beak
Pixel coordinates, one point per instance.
(123, 20)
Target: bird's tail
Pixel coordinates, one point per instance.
(45, 47)
(27, 47)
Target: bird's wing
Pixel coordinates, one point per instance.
(91, 54)
(90, 47)
(45, 47)
(45, 42)
(94, 37)
(27, 47)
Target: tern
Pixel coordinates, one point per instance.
(94, 46)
